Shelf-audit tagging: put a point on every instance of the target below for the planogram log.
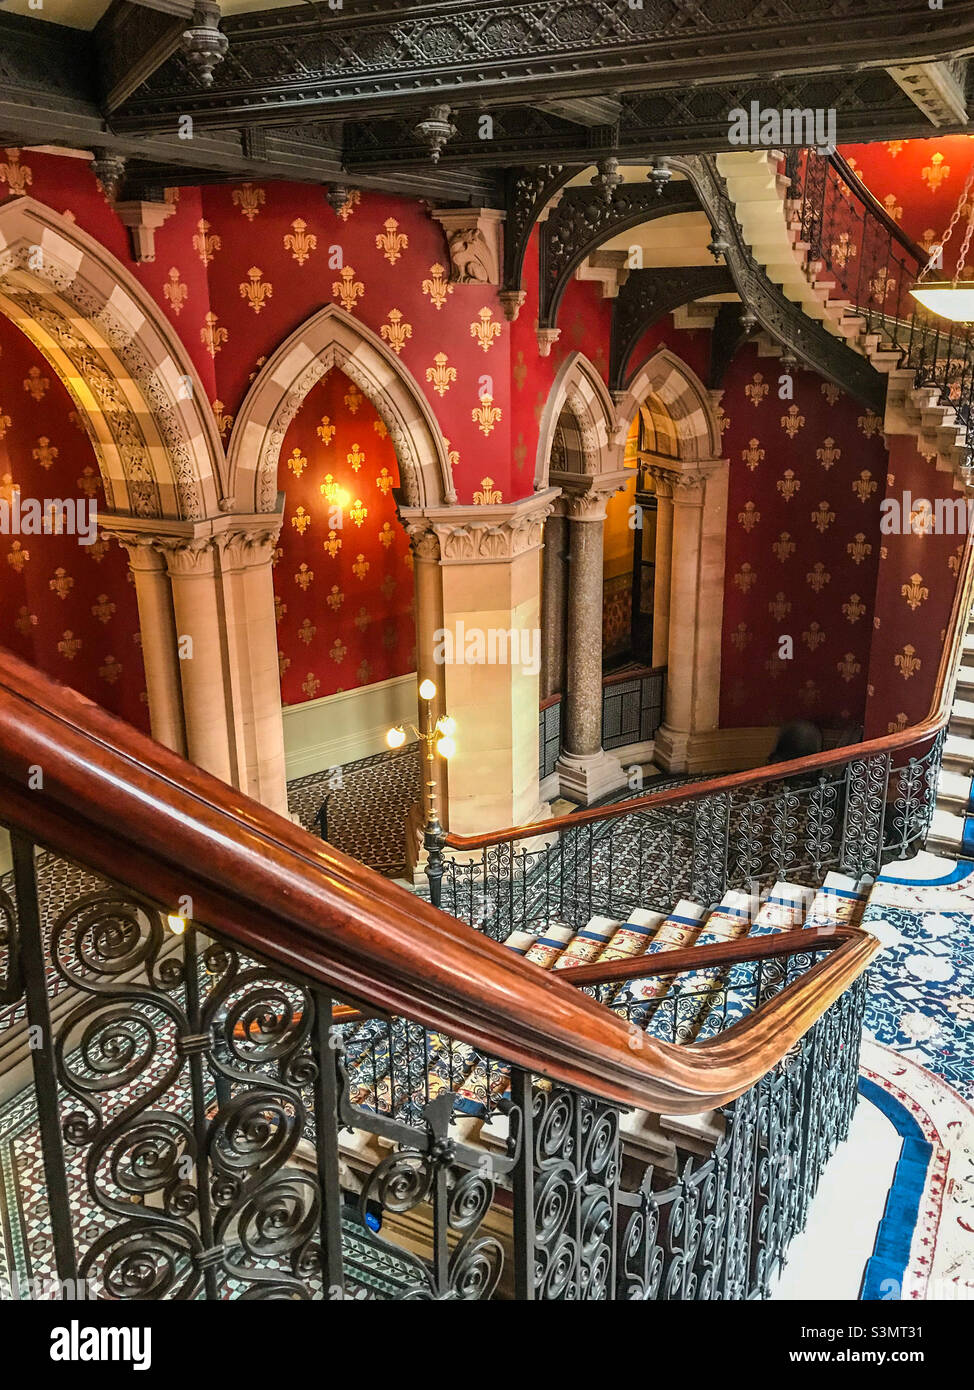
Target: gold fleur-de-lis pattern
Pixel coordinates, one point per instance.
(345, 596)
(67, 608)
(299, 241)
(802, 560)
(396, 331)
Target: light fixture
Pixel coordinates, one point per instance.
(437, 739)
(949, 299)
(176, 923)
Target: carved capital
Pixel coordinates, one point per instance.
(485, 534)
(423, 540)
(587, 506)
(188, 556)
(547, 337)
(474, 240)
(684, 485)
(247, 549)
(511, 301)
(143, 220)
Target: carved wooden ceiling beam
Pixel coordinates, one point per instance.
(583, 221)
(317, 61)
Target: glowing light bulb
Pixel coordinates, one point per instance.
(447, 725)
(396, 737)
(446, 748)
(427, 691)
(176, 924)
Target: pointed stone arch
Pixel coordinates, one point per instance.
(332, 338)
(689, 403)
(137, 392)
(578, 426)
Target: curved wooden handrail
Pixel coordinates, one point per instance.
(136, 813)
(876, 209)
(718, 956)
(912, 735)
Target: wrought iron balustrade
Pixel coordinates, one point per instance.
(214, 1126)
(875, 265)
(691, 842)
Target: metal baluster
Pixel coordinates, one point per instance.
(33, 961)
(326, 1045)
(523, 1188)
(193, 1047)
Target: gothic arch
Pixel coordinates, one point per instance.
(578, 425)
(137, 392)
(687, 400)
(333, 338)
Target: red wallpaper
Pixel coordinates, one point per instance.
(343, 580)
(71, 189)
(917, 579)
(66, 608)
(797, 532)
(585, 320)
(919, 182)
(388, 248)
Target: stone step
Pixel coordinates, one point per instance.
(953, 790)
(946, 831)
(959, 752)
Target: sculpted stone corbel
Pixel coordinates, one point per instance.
(474, 242)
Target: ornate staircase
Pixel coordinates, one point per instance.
(822, 237)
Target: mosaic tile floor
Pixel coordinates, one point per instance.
(367, 813)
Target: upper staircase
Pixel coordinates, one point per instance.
(833, 249)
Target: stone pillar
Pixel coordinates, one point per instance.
(489, 664)
(664, 559)
(586, 772)
(245, 559)
(157, 626)
(206, 605)
(696, 595)
(201, 634)
(554, 602)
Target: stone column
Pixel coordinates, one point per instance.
(193, 568)
(489, 664)
(245, 560)
(664, 560)
(157, 626)
(554, 602)
(206, 605)
(586, 772)
(696, 609)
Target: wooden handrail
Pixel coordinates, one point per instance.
(915, 734)
(132, 811)
(849, 176)
(720, 955)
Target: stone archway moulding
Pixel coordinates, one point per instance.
(688, 401)
(580, 410)
(332, 338)
(137, 392)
